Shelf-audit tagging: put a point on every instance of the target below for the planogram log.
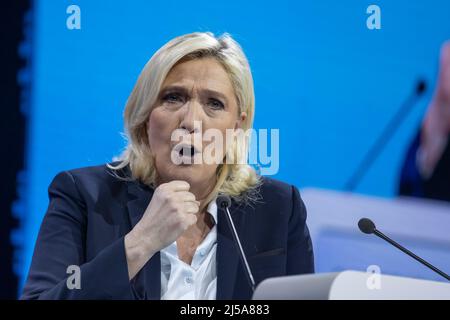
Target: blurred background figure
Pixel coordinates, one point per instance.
(426, 171)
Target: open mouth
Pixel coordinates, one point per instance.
(184, 153)
(188, 151)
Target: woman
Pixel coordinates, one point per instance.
(147, 226)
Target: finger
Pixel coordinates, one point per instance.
(186, 196)
(191, 207)
(178, 185)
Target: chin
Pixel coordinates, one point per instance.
(193, 174)
(189, 173)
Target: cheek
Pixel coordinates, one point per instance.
(159, 130)
(222, 126)
(225, 121)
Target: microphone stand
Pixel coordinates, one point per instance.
(387, 133)
(239, 245)
(411, 254)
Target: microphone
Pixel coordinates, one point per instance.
(385, 136)
(224, 202)
(367, 226)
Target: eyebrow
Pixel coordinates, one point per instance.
(203, 91)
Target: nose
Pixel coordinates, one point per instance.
(191, 117)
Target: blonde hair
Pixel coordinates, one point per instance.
(233, 179)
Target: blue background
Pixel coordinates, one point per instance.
(327, 82)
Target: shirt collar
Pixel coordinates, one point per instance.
(212, 209)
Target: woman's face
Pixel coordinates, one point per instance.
(197, 95)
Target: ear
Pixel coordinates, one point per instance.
(241, 120)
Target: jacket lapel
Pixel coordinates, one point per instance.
(227, 254)
(140, 196)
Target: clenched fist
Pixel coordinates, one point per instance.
(170, 212)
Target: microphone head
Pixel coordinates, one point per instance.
(366, 225)
(223, 201)
(421, 86)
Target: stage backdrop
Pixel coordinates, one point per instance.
(326, 81)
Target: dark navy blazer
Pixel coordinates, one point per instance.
(90, 211)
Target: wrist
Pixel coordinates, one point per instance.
(136, 247)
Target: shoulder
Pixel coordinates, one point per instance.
(274, 185)
(101, 171)
(277, 196)
(90, 178)
(276, 190)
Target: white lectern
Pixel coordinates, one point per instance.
(350, 285)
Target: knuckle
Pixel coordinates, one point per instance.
(172, 205)
(167, 197)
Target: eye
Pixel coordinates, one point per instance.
(173, 97)
(215, 104)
